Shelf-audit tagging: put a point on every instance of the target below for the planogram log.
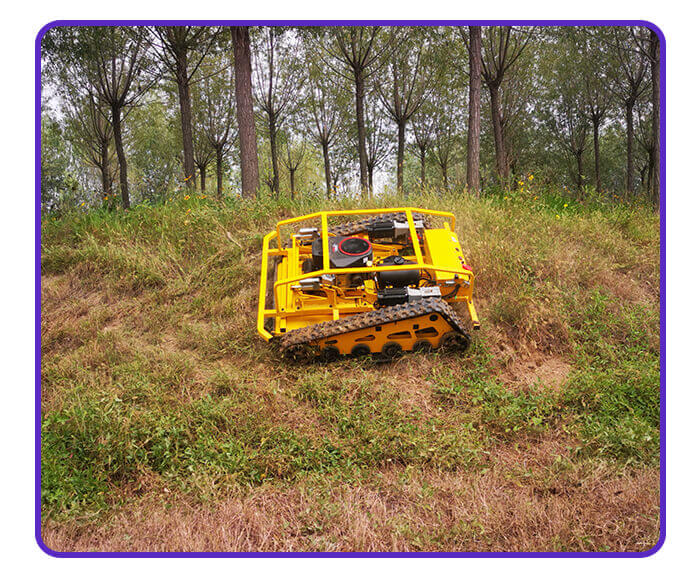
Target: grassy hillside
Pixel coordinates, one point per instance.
(169, 425)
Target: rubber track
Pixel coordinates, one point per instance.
(382, 316)
(355, 227)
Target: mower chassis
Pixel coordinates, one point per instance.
(324, 324)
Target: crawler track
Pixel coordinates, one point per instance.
(355, 227)
(304, 343)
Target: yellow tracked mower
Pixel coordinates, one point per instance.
(382, 284)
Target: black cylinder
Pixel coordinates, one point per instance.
(402, 278)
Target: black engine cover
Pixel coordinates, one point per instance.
(397, 278)
(344, 252)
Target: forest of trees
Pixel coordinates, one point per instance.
(135, 114)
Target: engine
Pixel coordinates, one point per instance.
(344, 252)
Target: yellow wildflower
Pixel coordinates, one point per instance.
(566, 205)
(530, 177)
(82, 204)
(521, 183)
(558, 217)
(187, 197)
(106, 197)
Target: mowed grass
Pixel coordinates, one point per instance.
(167, 424)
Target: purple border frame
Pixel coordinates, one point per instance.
(37, 288)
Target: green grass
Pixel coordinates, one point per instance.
(152, 369)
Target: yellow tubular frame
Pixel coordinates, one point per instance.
(264, 313)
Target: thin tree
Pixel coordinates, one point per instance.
(629, 85)
(343, 163)
(111, 65)
(276, 86)
(645, 137)
(448, 107)
(293, 157)
(409, 81)
(565, 105)
(222, 135)
(503, 46)
(214, 100)
(598, 71)
(649, 45)
(422, 125)
(240, 37)
(325, 119)
(472, 41)
(517, 96)
(175, 45)
(203, 151)
(91, 133)
(655, 57)
(378, 140)
(571, 129)
(360, 50)
(67, 67)
(443, 146)
(595, 75)
(122, 74)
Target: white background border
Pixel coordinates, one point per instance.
(22, 22)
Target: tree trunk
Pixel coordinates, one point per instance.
(629, 119)
(119, 147)
(183, 90)
(370, 180)
(656, 115)
(336, 182)
(579, 173)
(399, 157)
(422, 169)
(327, 167)
(244, 110)
(511, 168)
(291, 181)
(596, 153)
(651, 175)
(474, 126)
(220, 172)
(203, 177)
(104, 168)
(444, 175)
(365, 185)
(501, 166)
(273, 156)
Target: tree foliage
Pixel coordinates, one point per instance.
(347, 110)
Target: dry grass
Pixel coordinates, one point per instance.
(539, 371)
(526, 499)
(169, 426)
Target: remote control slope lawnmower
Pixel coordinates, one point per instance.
(381, 281)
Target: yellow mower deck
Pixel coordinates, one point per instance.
(314, 306)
